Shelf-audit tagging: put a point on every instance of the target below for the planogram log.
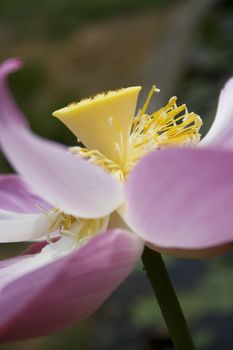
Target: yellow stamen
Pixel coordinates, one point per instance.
(170, 126)
(151, 93)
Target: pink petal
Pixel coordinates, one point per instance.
(69, 289)
(7, 105)
(180, 201)
(11, 261)
(221, 131)
(68, 182)
(16, 196)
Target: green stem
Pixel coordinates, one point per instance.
(167, 299)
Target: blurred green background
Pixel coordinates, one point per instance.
(73, 49)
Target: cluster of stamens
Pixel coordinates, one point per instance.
(170, 126)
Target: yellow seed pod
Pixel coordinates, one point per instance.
(103, 122)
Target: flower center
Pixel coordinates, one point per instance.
(170, 126)
(116, 140)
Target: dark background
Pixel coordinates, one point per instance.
(73, 49)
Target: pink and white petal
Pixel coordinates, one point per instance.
(67, 290)
(221, 131)
(19, 227)
(16, 196)
(68, 182)
(180, 201)
(11, 261)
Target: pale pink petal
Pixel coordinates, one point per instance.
(180, 201)
(16, 196)
(221, 131)
(67, 290)
(19, 227)
(68, 182)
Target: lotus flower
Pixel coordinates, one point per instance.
(141, 180)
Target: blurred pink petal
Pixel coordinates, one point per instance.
(14, 260)
(68, 289)
(16, 196)
(179, 201)
(66, 181)
(221, 131)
